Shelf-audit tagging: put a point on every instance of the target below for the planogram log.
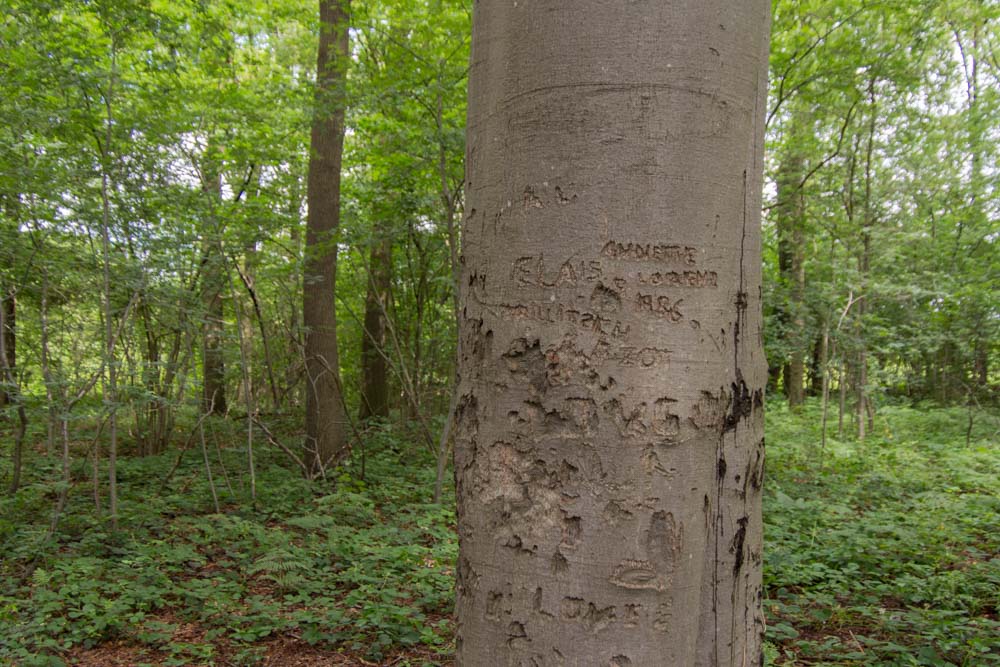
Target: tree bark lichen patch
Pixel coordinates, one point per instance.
(609, 451)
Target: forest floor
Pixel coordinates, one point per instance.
(885, 552)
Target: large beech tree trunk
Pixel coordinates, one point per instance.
(609, 435)
(326, 434)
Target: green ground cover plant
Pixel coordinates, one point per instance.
(877, 553)
(360, 564)
(883, 552)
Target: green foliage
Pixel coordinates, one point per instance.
(876, 553)
(880, 142)
(196, 117)
(368, 568)
(887, 554)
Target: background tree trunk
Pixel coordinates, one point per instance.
(110, 381)
(295, 344)
(791, 258)
(13, 393)
(213, 361)
(817, 367)
(864, 268)
(609, 434)
(326, 440)
(374, 379)
(9, 339)
(972, 55)
(248, 279)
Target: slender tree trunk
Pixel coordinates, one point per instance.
(443, 445)
(449, 202)
(265, 339)
(248, 278)
(791, 257)
(824, 360)
(213, 361)
(981, 367)
(295, 345)
(862, 375)
(774, 373)
(146, 415)
(842, 396)
(864, 266)
(111, 388)
(609, 432)
(13, 393)
(10, 341)
(65, 474)
(326, 420)
(245, 384)
(420, 297)
(816, 368)
(208, 466)
(374, 378)
(10, 208)
(47, 377)
(976, 129)
(796, 370)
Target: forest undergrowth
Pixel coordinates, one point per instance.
(883, 552)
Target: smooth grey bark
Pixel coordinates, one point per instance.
(326, 419)
(609, 431)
